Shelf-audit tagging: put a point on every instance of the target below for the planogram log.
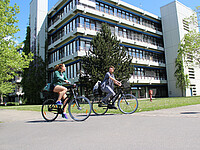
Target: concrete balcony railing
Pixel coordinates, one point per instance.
(148, 62)
(147, 80)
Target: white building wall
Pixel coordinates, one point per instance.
(172, 16)
(38, 25)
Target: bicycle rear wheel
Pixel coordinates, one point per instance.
(128, 104)
(79, 108)
(49, 110)
(97, 107)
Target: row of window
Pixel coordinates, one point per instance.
(69, 49)
(72, 71)
(96, 25)
(145, 55)
(109, 10)
(126, 15)
(61, 12)
(81, 44)
(148, 73)
(133, 35)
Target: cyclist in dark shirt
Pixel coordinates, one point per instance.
(59, 79)
(108, 86)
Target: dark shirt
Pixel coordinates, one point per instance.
(59, 78)
(108, 81)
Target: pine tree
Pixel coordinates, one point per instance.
(105, 51)
(33, 78)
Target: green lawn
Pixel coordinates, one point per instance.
(144, 105)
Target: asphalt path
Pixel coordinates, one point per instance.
(167, 129)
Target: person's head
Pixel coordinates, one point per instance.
(60, 67)
(111, 69)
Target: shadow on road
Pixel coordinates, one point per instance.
(190, 113)
(43, 121)
(93, 115)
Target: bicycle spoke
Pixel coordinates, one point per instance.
(80, 108)
(128, 104)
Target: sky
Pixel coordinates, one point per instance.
(152, 6)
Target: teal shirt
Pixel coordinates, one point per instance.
(59, 78)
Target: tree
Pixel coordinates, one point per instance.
(182, 81)
(11, 61)
(105, 51)
(190, 44)
(33, 80)
(34, 77)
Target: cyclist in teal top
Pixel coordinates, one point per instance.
(59, 79)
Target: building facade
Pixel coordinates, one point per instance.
(175, 26)
(72, 24)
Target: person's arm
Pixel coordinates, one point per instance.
(65, 78)
(57, 75)
(115, 81)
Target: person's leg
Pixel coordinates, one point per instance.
(64, 96)
(61, 90)
(110, 92)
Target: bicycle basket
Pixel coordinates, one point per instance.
(126, 84)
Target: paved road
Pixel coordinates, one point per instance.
(169, 129)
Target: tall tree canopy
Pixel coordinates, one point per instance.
(10, 60)
(106, 51)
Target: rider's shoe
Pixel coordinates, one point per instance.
(112, 106)
(105, 102)
(64, 116)
(58, 103)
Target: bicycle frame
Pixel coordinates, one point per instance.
(117, 95)
(73, 94)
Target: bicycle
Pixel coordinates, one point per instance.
(79, 107)
(127, 103)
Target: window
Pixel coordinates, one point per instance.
(102, 7)
(92, 24)
(106, 9)
(127, 16)
(82, 46)
(115, 12)
(77, 45)
(120, 32)
(82, 22)
(119, 13)
(74, 24)
(123, 15)
(87, 23)
(111, 11)
(97, 6)
(87, 45)
(124, 33)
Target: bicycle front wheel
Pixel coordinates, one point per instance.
(97, 107)
(79, 108)
(49, 110)
(128, 104)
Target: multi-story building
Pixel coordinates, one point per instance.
(72, 24)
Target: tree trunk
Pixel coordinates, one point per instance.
(1, 98)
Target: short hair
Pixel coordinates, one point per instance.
(112, 67)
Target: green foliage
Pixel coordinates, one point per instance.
(182, 80)
(33, 81)
(105, 52)
(27, 43)
(188, 53)
(190, 47)
(10, 60)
